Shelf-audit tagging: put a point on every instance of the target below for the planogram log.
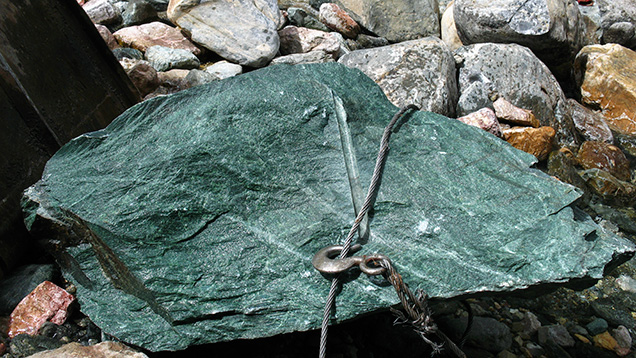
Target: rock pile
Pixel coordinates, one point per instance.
(551, 77)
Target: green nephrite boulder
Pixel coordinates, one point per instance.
(193, 218)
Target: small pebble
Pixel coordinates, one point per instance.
(597, 326)
(622, 336)
(605, 341)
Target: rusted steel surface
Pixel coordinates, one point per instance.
(58, 79)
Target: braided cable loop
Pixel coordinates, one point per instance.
(368, 202)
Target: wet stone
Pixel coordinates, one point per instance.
(597, 326)
(604, 156)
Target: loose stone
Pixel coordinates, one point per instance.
(166, 58)
(604, 156)
(154, 34)
(302, 40)
(485, 119)
(338, 20)
(536, 141)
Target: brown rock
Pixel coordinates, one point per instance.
(47, 302)
(107, 36)
(338, 20)
(601, 155)
(609, 188)
(101, 350)
(536, 141)
(485, 119)
(605, 340)
(513, 114)
(589, 124)
(607, 76)
(154, 34)
(172, 78)
(301, 40)
(144, 77)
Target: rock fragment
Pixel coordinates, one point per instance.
(508, 112)
(240, 31)
(420, 72)
(154, 34)
(224, 69)
(302, 40)
(536, 141)
(338, 20)
(396, 20)
(47, 302)
(607, 80)
(485, 119)
(166, 58)
(303, 58)
(107, 349)
(143, 76)
(604, 156)
(102, 12)
(108, 37)
(589, 124)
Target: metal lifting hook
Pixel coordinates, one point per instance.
(327, 261)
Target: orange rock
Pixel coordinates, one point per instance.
(536, 141)
(47, 302)
(601, 155)
(513, 114)
(338, 20)
(605, 340)
(607, 77)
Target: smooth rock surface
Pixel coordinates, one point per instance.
(154, 34)
(241, 31)
(396, 20)
(420, 72)
(205, 231)
(166, 58)
(590, 124)
(607, 77)
(224, 69)
(517, 75)
(551, 28)
(448, 29)
(102, 350)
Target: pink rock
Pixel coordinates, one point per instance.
(107, 36)
(338, 20)
(155, 33)
(102, 350)
(301, 40)
(47, 302)
(485, 119)
(513, 114)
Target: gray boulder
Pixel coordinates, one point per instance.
(102, 12)
(165, 58)
(517, 75)
(395, 20)
(317, 56)
(240, 31)
(138, 12)
(420, 72)
(195, 216)
(552, 29)
(618, 21)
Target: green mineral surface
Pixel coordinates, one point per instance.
(193, 218)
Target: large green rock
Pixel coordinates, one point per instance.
(193, 218)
